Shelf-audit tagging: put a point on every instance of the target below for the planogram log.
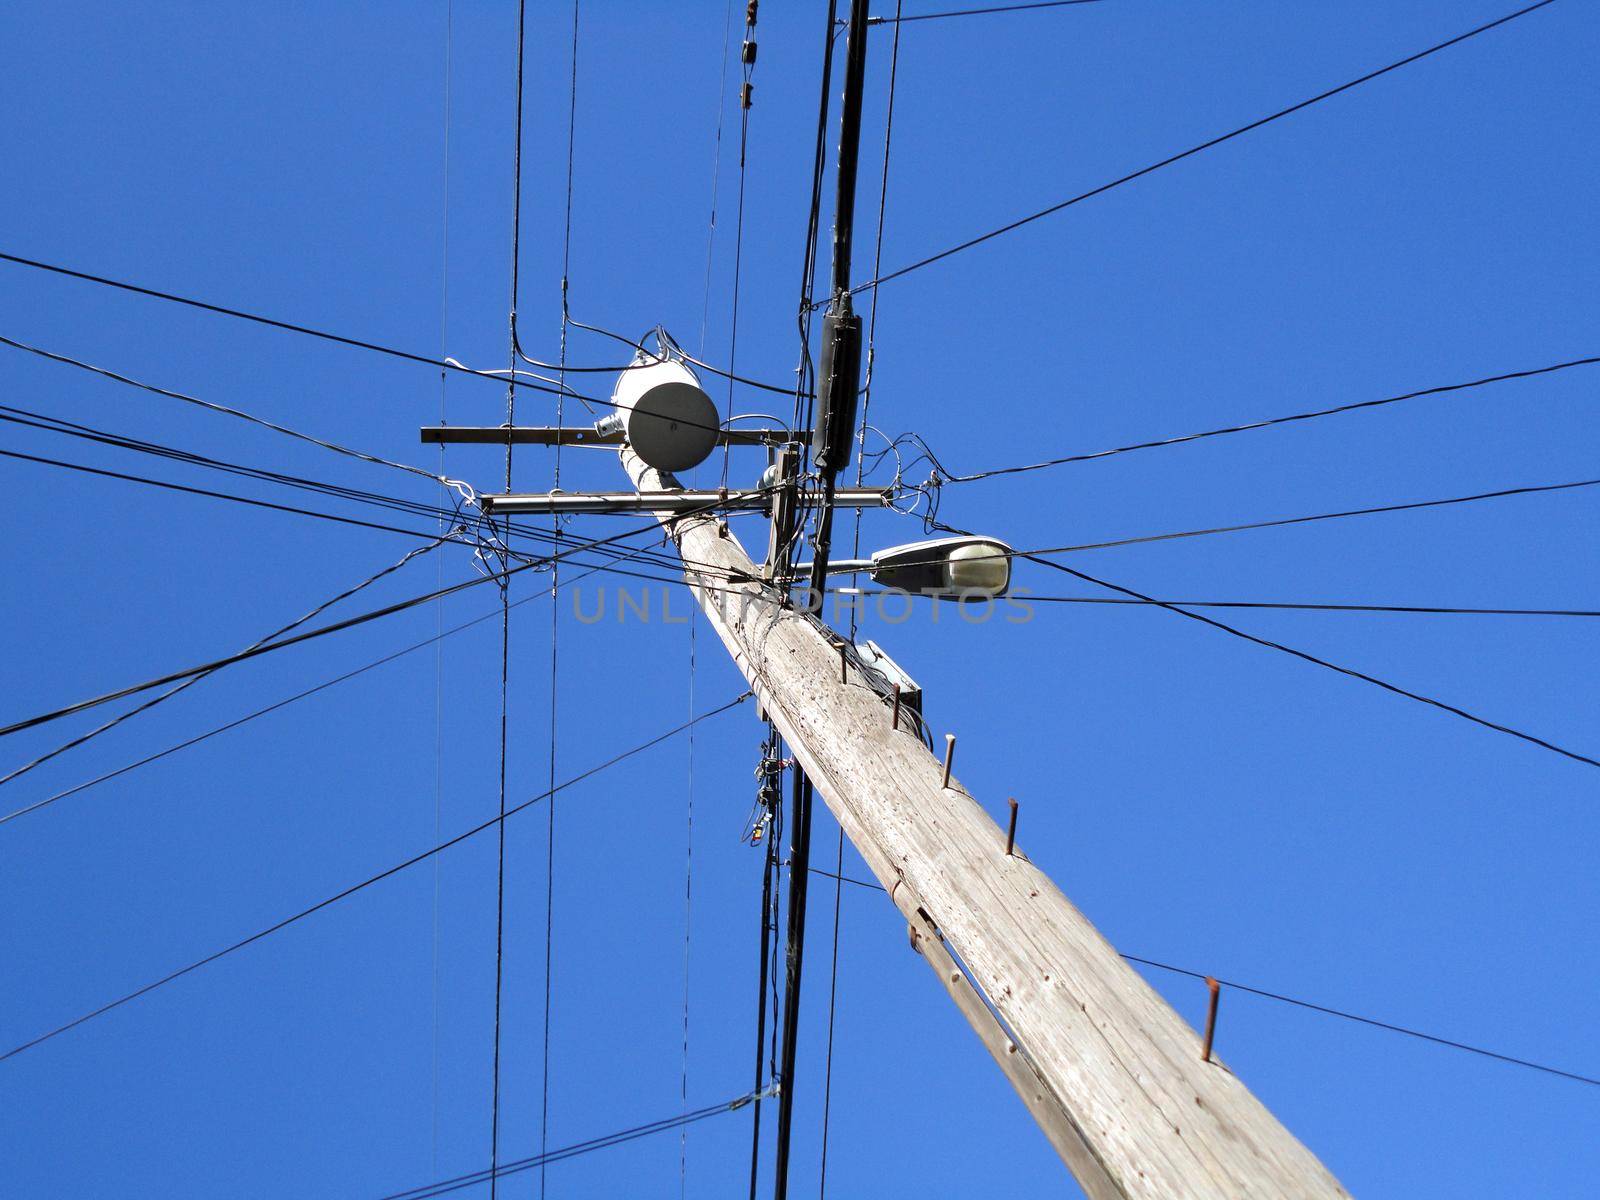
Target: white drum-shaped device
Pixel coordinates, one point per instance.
(666, 416)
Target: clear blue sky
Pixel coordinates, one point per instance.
(1208, 803)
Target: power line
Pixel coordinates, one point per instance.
(505, 615)
(855, 552)
(320, 631)
(368, 882)
(225, 409)
(1307, 1004)
(194, 679)
(1322, 662)
(287, 326)
(897, 19)
(1531, 489)
(195, 491)
(472, 1178)
(1418, 609)
(445, 364)
(419, 508)
(1376, 1024)
(1192, 150)
(1271, 421)
(275, 706)
(337, 491)
(555, 584)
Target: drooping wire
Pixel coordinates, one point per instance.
(273, 707)
(1321, 662)
(1024, 597)
(1271, 421)
(473, 1178)
(190, 681)
(357, 887)
(438, 645)
(1197, 149)
(897, 20)
(1448, 1043)
(1407, 506)
(555, 609)
(505, 607)
(767, 829)
(747, 70)
(544, 385)
(855, 552)
(321, 630)
(320, 487)
(451, 484)
(805, 384)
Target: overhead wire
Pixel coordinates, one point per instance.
(694, 619)
(473, 1178)
(65, 360)
(1452, 709)
(438, 656)
(1528, 490)
(287, 326)
(897, 20)
(336, 491)
(296, 639)
(273, 707)
(362, 343)
(1026, 597)
(1199, 148)
(855, 552)
(555, 587)
(162, 697)
(351, 890)
(1448, 1043)
(1270, 421)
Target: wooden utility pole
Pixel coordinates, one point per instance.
(1113, 1076)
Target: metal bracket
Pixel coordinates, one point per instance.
(583, 435)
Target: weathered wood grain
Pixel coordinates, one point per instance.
(1113, 1075)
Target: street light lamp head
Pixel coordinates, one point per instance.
(952, 568)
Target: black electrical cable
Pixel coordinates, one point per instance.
(555, 584)
(1271, 421)
(1531, 489)
(898, 20)
(1418, 609)
(473, 1178)
(354, 888)
(1449, 1043)
(505, 617)
(855, 552)
(271, 708)
(1322, 662)
(1192, 150)
(643, 555)
(296, 639)
(288, 326)
(146, 705)
(632, 554)
(225, 409)
(360, 343)
(337, 491)
(445, 364)
(194, 491)
(1376, 1024)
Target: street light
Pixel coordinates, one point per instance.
(952, 568)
